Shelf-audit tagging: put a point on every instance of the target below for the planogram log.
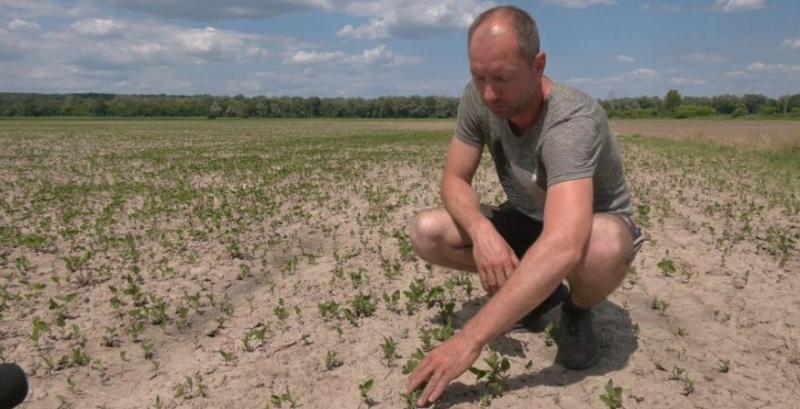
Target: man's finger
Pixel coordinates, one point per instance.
(423, 399)
(420, 375)
(484, 282)
(440, 387)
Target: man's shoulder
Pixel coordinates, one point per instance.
(570, 101)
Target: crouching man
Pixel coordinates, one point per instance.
(568, 214)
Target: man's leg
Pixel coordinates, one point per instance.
(604, 266)
(436, 238)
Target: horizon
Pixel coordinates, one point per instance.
(360, 49)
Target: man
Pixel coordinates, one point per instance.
(568, 210)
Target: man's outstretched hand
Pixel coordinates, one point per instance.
(443, 364)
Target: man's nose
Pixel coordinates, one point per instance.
(489, 94)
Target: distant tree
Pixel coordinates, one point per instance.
(214, 110)
(672, 101)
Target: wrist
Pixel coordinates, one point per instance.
(478, 227)
(472, 335)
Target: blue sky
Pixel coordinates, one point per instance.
(608, 48)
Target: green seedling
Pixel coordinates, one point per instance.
(391, 270)
(228, 357)
(680, 374)
(39, 327)
(613, 396)
(413, 361)
(667, 267)
(549, 339)
(364, 388)
(389, 347)
(415, 294)
(495, 376)
(254, 338)
(392, 300)
(331, 361)
(110, 338)
(724, 365)
(328, 310)
(660, 306)
(412, 398)
(278, 400)
(363, 305)
(79, 357)
(280, 311)
(192, 387)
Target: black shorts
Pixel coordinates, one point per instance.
(520, 231)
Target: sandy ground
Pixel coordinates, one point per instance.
(239, 228)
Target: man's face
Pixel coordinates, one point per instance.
(506, 82)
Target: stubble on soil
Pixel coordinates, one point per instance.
(184, 264)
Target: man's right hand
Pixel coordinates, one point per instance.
(494, 258)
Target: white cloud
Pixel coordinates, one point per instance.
(409, 18)
(642, 74)
(375, 29)
(579, 4)
(385, 18)
(21, 25)
(98, 27)
(686, 81)
(313, 57)
(209, 10)
(760, 67)
(378, 56)
(702, 58)
(791, 43)
(730, 6)
(733, 74)
(625, 58)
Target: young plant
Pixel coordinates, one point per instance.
(389, 347)
(724, 365)
(413, 361)
(280, 311)
(495, 376)
(328, 310)
(331, 361)
(613, 396)
(277, 400)
(660, 306)
(364, 388)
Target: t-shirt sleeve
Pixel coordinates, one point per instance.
(469, 127)
(571, 150)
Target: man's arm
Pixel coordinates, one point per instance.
(494, 259)
(559, 250)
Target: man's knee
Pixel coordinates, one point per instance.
(424, 231)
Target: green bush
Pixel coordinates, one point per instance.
(691, 111)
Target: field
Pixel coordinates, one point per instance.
(266, 263)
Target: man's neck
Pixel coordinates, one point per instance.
(525, 120)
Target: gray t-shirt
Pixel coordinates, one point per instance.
(569, 141)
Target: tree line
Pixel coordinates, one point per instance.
(673, 105)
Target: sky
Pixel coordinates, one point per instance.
(359, 48)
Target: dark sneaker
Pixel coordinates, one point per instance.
(531, 321)
(577, 343)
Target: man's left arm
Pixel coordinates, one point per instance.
(558, 251)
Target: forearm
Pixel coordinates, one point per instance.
(542, 268)
(461, 201)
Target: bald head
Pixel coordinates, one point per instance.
(503, 21)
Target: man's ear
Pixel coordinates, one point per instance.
(539, 62)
